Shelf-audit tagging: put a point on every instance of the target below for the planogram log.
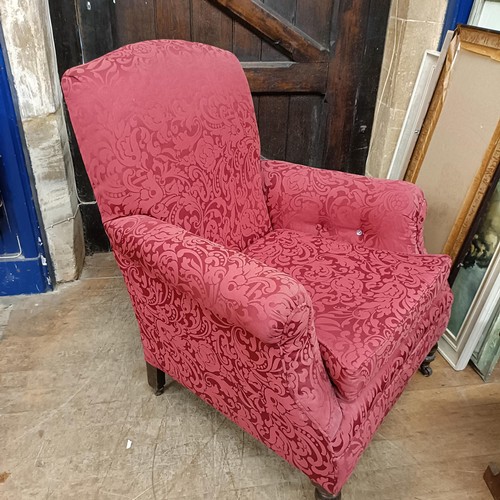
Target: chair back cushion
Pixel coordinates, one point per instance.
(167, 128)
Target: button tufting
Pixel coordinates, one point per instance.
(359, 232)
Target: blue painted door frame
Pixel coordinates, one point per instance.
(457, 12)
(23, 265)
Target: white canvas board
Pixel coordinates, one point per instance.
(428, 76)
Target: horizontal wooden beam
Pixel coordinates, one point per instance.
(278, 76)
(284, 35)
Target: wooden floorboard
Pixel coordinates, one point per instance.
(437, 441)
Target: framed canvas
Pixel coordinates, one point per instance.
(458, 150)
(476, 289)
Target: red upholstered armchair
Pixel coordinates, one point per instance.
(298, 302)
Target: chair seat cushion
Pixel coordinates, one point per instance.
(367, 302)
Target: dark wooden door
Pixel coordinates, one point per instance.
(313, 66)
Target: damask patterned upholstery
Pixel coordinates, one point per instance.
(366, 302)
(387, 215)
(163, 134)
(298, 302)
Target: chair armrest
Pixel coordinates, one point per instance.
(235, 287)
(377, 213)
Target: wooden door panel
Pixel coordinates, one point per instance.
(314, 18)
(273, 109)
(305, 111)
(308, 112)
(173, 19)
(210, 25)
(247, 46)
(284, 8)
(133, 24)
(273, 125)
(356, 56)
(367, 91)
(95, 28)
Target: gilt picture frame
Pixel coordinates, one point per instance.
(455, 175)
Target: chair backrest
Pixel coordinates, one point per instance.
(167, 128)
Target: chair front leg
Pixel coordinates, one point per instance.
(156, 379)
(425, 368)
(321, 494)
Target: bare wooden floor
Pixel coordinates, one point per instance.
(77, 419)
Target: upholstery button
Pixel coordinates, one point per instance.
(359, 232)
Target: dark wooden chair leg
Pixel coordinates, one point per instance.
(492, 479)
(425, 368)
(156, 379)
(321, 494)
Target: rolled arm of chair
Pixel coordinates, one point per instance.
(238, 289)
(377, 213)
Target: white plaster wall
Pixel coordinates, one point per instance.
(414, 26)
(30, 50)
